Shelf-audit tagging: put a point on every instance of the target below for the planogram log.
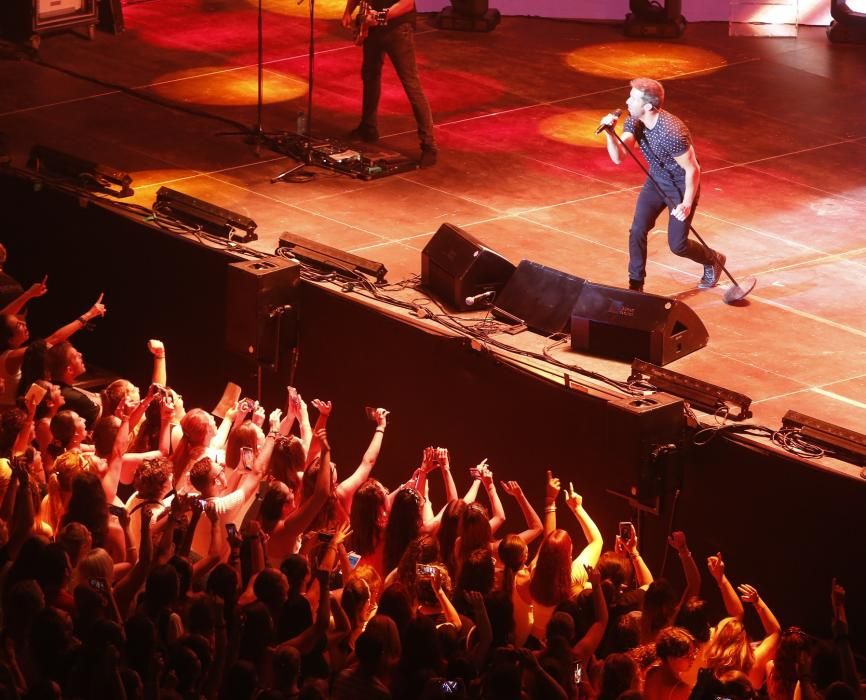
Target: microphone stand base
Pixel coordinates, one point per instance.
(736, 293)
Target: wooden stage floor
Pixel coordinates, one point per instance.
(775, 122)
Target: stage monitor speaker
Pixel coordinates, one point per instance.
(456, 266)
(540, 297)
(623, 324)
(260, 314)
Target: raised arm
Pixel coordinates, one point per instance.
(346, 489)
(840, 637)
(677, 540)
(533, 522)
(65, 332)
(283, 536)
(324, 408)
(32, 292)
(733, 605)
(766, 650)
(643, 576)
(586, 646)
(594, 541)
(497, 511)
(126, 589)
(551, 493)
(444, 459)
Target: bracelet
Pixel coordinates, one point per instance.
(550, 509)
(160, 356)
(83, 321)
(635, 556)
(379, 430)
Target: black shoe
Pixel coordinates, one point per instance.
(712, 271)
(429, 156)
(364, 133)
(635, 285)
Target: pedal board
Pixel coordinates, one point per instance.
(337, 156)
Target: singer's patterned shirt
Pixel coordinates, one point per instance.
(668, 139)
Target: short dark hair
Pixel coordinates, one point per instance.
(674, 643)
(652, 90)
(199, 473)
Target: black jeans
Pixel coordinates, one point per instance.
(650, 204)
(398, 42)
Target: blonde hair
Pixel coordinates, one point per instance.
(97, 564)
(729, 648)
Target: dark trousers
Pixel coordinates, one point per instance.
(650, 204)
(398, 43)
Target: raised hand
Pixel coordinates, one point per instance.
(573, 499)
(156, 347)
(381, 417)
(258, 416)
(428, 460)
(593, 575)
(486, 475)
(274, 418)
(476, 471)
(512, 488)
(553, 487)
(38, 289)
(677, 540)
(748, 594)
(716, 566)
(342, 534)
(443, 458)
(98, 309)
(323, 407)
(837, 597)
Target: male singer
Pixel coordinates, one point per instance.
(391, 31)
(667, 146)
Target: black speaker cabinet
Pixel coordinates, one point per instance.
(261, 318)
(540, 297)
(643, 454)
(623, 324)
(455, 266)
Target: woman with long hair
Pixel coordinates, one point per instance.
(87, 506)
(555, 574)
(404, 525)
(369, 517)
(730, 648)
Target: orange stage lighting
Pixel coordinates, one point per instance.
(213, 85)
(576, 128)
(624, 60)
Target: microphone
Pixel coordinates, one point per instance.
(486, 296)
(602, 127)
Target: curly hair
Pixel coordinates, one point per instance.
(674, 643)
(199, 473)
(151, 477)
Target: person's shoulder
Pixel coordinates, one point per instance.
(672, 121)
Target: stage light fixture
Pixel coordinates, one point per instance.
(848, 25)
(708, 397)
(209, 217)
(844, 443)
(468, 16)
(650, 18)
(83, 173)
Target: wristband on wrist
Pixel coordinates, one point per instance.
(550, 509)
(82, 320)
(380, 430)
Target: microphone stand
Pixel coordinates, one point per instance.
(256, 135)
(733, 294)
(306, 145)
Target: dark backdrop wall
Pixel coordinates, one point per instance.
(784, 525)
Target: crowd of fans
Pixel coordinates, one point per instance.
(149, 552)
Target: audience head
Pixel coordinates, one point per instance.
(64, 363)
(551, 578)
(368, 516)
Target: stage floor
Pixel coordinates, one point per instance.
(774, 121)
